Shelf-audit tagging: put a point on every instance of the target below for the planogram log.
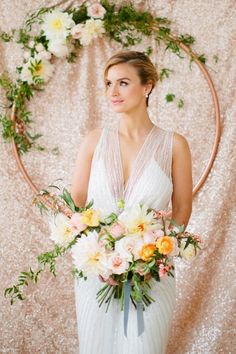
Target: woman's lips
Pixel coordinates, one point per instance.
(117, 101)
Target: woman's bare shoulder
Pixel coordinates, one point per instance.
(180, 144)
(179, 141)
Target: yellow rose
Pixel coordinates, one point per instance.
(90, 217)
(165, 245)
(147, 251)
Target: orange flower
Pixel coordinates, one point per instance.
(165, 245)
(147, 251)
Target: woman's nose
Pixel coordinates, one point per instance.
(114, 90)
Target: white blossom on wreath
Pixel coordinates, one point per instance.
(92, 29)
(36, 68)
(57, 24)
(58, 48)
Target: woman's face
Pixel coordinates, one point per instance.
(124, 89)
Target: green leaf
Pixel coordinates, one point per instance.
(24, 37)
(202, 58)
(165, 73)
(216, 58)
(67, 198)
(180, 103)
(72, 57)
(186, 39)
(80, 15)
(170, 97)
(148, 51)
(89, 205)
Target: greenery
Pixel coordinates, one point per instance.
(123, 24)
(170, 97)
(45, 260)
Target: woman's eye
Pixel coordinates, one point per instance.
(122, 83)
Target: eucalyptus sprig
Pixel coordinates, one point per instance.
(45, 260)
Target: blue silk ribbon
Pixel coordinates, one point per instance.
(140, 319)
(127, 290)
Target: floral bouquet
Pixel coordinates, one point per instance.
(124, 249)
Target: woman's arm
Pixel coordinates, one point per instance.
(80, 180)
(182, 180)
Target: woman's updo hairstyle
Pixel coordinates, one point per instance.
(145, 68)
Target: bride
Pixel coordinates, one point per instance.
(137, 161)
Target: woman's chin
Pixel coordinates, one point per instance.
(118, 109)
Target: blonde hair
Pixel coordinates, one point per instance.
(145, 68)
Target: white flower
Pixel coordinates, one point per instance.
(58, 48)
(40, 68)
(187, 253)
(176, 249)
(89, 256)
(117, 264)
(61, 232)
(128, 246)
(44, 55)
(96, 11)
(39, 47)
(137, 219)
(57, 24)
(91, 30)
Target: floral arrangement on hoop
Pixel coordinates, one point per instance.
(125, 250)
(61, 33)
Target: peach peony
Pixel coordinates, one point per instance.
(165, 245)
(147, 251)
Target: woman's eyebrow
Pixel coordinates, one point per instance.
(122, 78)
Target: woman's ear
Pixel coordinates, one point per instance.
(148, 88)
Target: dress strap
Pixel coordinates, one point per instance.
(163, 153)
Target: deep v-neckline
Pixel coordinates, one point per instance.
(133, 167)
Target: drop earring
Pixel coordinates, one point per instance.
(146, 95)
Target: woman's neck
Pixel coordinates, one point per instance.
(135, 123)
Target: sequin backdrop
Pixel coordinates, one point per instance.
(72, 104)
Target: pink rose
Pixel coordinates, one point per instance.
(117, 230)
(109, 280)
(96, 11)
(162, 270)
(117, 264)
(77, 31)
(161, 213)
(76, 224)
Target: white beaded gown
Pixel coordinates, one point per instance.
(102, 332)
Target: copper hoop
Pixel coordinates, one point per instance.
(216, 140)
